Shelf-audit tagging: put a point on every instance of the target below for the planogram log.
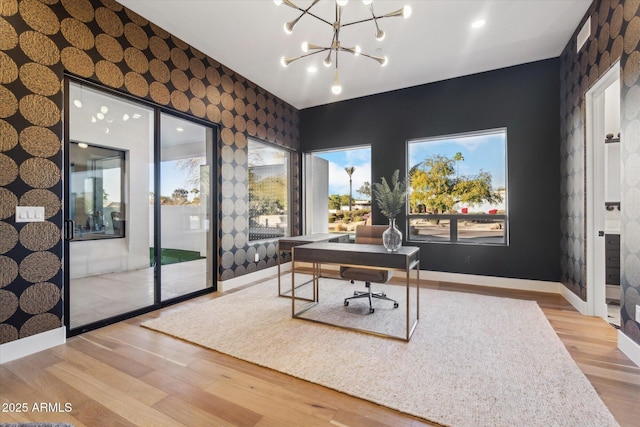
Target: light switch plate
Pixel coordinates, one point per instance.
(29, 213)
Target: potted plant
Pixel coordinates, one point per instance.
(390, 199)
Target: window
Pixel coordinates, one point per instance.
(457, 188)
(268, 191)
(348, 190)
(97, 182)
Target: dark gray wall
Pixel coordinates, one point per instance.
(524, 99)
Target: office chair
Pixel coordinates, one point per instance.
(368, 234)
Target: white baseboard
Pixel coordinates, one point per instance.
(629, 347)
(574, 300)
(494, 282)
(33, 344)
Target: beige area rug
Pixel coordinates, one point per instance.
(473, 360)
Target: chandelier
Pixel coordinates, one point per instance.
(335, 47)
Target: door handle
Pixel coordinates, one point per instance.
(600, 233)
(69, 229)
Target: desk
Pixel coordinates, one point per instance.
(376, 257)
(286, 244)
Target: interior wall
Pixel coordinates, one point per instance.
(615, 35)
(524, 99)
(102, 41)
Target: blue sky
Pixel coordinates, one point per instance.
(360, 158)
(486, 152)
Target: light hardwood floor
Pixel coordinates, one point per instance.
(126, 375)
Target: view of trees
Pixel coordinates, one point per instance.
(268, 195)
(365, 190)
(336, 201)
(437, 186)
(350, 170)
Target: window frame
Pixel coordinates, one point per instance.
(453, 218)
(81, 236)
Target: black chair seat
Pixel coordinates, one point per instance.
(364, 274)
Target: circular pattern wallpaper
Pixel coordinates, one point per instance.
(615, 36)
(104, 42)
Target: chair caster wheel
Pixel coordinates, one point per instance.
(395, 305)
(371, 310)
(346, 303)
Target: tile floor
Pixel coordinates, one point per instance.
(98, 297)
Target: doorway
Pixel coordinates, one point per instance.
(137, 207)
(603, 197)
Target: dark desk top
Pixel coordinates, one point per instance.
(286, 243)
(357, 254)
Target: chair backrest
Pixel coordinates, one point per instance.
(370, 234)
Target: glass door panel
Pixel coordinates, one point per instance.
(185, 206)
(108, 217)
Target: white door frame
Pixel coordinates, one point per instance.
(594, 195)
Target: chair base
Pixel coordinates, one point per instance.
(370, 295)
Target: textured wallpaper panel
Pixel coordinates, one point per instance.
(102, 41)
(615, 35)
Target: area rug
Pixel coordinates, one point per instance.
(473, 360)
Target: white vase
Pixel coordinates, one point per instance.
(392, 237)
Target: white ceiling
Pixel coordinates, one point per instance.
(435, 43)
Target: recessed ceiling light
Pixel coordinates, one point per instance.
(312, 69)
(125, 117)
(93, 119)
(180, 129)
(478, 23)
(136, 116)
(83, 145)
(100, 116)
(77, 103)
(104, 109)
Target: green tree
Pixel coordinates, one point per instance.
(267, 196)
(437, 185)
(180, 196)
(334, 201)
(365, 190)
(350, 170)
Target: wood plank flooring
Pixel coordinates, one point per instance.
(126, 375)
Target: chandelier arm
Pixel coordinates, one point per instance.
(373, 18)
(319, 18)
(306, 11)
(361, 21)
(351, 50)
(395, 14)
(324, 49)
(379, 59)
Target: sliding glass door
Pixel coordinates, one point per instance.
(185, 206)
(108, 227)
(138, 207)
